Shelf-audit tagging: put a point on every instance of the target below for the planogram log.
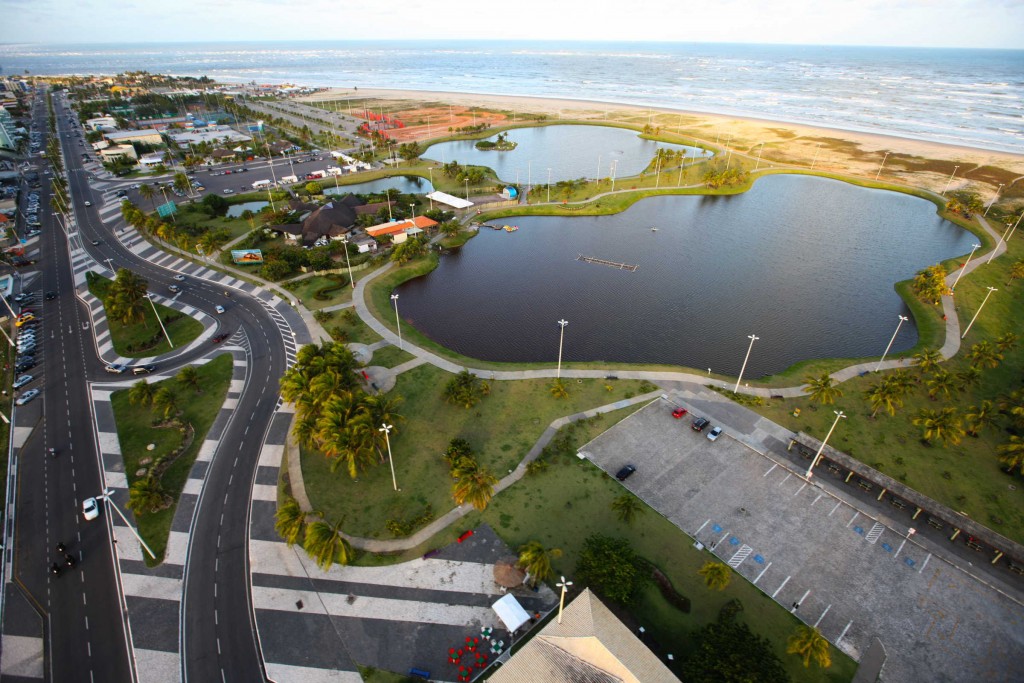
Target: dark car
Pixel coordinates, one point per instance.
(50, 296)
(221, 337)
(625, 473)
(25, 364)
(700, 424)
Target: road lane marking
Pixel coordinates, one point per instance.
(694, 533)
(762, 573)
(925, 563)
(855, 515)
(835, 508)
(818, 498)
(840, 638)
(804, 485)
(796, 605)
(822, 616)
(780, 587)
(785, 479)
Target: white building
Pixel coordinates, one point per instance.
(102, 123)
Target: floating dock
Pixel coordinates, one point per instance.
(606, 262)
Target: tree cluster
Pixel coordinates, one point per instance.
(466, 389)
(473, 484)
(930, 284)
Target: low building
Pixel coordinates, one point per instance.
(333, 220)
(150, 160)
(146, 137)
(111, 152)
(211, 134)
(223, 154)
(510, 193)
(102, 123)
(410, 226)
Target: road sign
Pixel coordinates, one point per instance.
(165, 210)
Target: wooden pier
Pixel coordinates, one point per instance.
(606, 262)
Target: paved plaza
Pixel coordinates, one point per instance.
(834, 565)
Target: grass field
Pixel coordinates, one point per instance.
(390, 356)
(348, 323)
(135, 431)
(306, 288)
(130, 341)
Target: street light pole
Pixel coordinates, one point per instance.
(106, 496)
(881, 166)
(615, 166)
(549, 184)
(344, 240)
(817, 456)
(394, 298)
(157, 315)
(386, 428)
(759, 153)
(561, 337)
(994, 198)
(955, 169)
(564, 585)
(815, 159)
(903, 319)
(990, 290)
(739, 379)
(1001, 240)
(964, 267)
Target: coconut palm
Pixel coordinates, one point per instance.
(941, 382)
(1012, 454)
(969, 377)
(883, 395)
(717, 576)
(1016, 272)
(984, 354)
(627, 507)
(822, 388)
(535, 559)
(290, 521)
(811, 646)
(126, 297)
(465, 389)
(463, 466)
(141, 393)
(147, 192)
(166, 400)
(189, 376)
(558, 389)
(1006, 341)
(146, 495)
(477, 488)
(980, 416)
(940, 424)
(927, 360)
(325, 544)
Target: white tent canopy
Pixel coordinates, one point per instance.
(510, 612)
(449, 200)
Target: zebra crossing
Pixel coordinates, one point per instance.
(153, 594)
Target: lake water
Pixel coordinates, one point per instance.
(236, 210)
(807, 264)
(570, 152)
(404, 184)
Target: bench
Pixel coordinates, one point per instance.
(1016, 569)
(898, 504)
(864, 485)
(935, 523)
(419, 673)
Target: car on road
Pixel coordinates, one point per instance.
(33, 233)
(143, 369)
(21, 297)
(221, 337)
(22, 381)
(679, 412)
(700, 424)
(174, 288)
(179, 278)
(88, 203)
(24, 319)
(625, 473)
(714, 433)
(90, 509)
(96, 243)
(219, 309)
(228, 190)
(50, 296)
(116, 368)
(26, 397)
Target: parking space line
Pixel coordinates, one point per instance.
(800, 489)
(855, 515)
(925, 563)
(835, 508)
(762, 573)
(817, 499)
(796, 605)
(769, 470)
(840, 638)
(788, 475)
(725, 536)
(780, 587)
(706, 522)
(822, 616)
(900, 549)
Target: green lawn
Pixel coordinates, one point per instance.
(141, 340)
(501, 428)
(390, 356)
(135, 431)
(336, 290)
(348, 324)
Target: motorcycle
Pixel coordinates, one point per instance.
(69, 560)
(55, 569)
(53, 453)
(62, 549)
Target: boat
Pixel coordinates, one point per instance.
(510, 228)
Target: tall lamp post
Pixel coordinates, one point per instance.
(564, 585)
(955, 169)
(1001, 240)
(739, 379)
(759, 153)
(990, 290)
(394, 298)
(994, 198)
(881, 166)
(157, 316)
(964, 267)
(549, 184)
(106, 496)
(903, 319)
(344, 240)
(561, 337)
(817, 456)
(386, 428)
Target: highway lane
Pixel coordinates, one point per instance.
(219, 641)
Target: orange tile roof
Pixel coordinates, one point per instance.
(421, 222)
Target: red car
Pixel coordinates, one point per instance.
(221, 337)
(679, 412)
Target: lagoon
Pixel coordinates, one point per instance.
(236, 210)
(805, 263)
(571, 152)
(405, 184)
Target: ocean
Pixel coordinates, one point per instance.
(956, 96)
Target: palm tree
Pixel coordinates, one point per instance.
(822, 388)
(147, 192)
(927, 360)
(1016, 272)
(290, 521)
(627, 507)
(942, 382)
(465, 389)
(810, 645)
(325, 544)
(126, 297)
(1012, 454)
(558, 389)
(969, 377)
(146, 495)
(535, 560)
(883, 395)
(141, 393)
(984, 354)
(1013, 405)
(979, 417)
(189, 377)
(463, 466)
(1006, 341)
(165, 399)
(942, 424)
(717, 576)
(477, 488)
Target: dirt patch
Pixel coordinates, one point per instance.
(431, 122)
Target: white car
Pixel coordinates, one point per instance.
(116, 368)
(26, 397)
(714, 433)
(88, 203)
(179, 278)
(22, 381)
(90, 509)
(228, 190)
(219, 309)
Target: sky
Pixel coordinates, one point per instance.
(915, 23)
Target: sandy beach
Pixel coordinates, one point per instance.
(913, 162)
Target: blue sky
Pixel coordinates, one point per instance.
(930, 23)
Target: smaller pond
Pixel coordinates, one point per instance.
(405, 184)
(236, 210)
(570, 152)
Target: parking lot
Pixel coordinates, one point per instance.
(833, 565)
